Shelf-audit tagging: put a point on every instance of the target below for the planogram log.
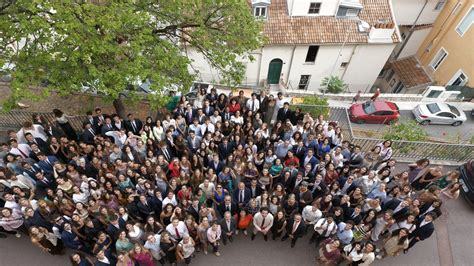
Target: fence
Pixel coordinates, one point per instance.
(15, 119)
(403, 150)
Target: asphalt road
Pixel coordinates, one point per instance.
(446, 133)
(452, 246)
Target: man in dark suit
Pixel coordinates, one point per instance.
(189, 115)
(216, 164)
(44, 181)
(424, 229)
(42, 145)
(357, 158)
(299, 151)
(193, 210)
(295, 228)
(227, 206)
(107, 126)
(46, 163)
(284, 113)
(225, 149)
(30, 170)
(133, 124)
(132, 207)
(99, 120)
(353, 214)
(145, 208)
(70, 239)
(165, 151)
(228, 227)
(207, 109)
(115, 226)
(309, 159)
(264, 101)
(88, 135)
(241, 195)
(400, 208)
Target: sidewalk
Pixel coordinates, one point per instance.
(402, 105)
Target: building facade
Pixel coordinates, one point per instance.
(309, 40)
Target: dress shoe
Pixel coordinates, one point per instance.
(284, 238)
(265, 238)
(252, 236)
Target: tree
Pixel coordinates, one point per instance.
(314, 105)
(333, 84)
(61, 45)
(408, 130)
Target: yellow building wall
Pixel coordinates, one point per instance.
(460, 49)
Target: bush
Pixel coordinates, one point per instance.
(333, 84)
(406, 130)
(314, 105)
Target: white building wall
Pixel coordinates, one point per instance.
(300, 7)
(275, 52)
(414, 42)
(365, 65)
(406, 11)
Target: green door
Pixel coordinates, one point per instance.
(274, 71)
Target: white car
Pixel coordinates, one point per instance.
(439, 113)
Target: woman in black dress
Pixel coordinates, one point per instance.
(45, 240)
(63, 122)
(279, 224)
(168, 246)
(429, 176)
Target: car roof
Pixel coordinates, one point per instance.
(382, 106)
(443, 107)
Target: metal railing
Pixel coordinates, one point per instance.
(15, 119)
(402, 150)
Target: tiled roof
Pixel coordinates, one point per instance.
(410, 72)
(281, 29)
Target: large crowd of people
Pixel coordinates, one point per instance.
(131, 192)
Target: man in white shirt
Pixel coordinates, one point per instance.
(20, 149)
(262, 222)
(253, 104)
(177, 229)
(207, 127)
(153, 245)
(311, 214)
(171, 198)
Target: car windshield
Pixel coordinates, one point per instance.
(368, 107)
(433, 108)
(454, 110)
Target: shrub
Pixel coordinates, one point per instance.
(333, 84)
(314, 105)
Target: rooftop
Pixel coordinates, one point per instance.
(410, 72)
(280, 28)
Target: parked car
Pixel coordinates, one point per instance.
(438, 113)
(376, 112)
(467, 181)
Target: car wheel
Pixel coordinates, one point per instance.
(360, 121)
(425, 122)
(457, 123)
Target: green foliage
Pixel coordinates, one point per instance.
(112, 44)
(406, 130)
(333, 84)
(315, 105)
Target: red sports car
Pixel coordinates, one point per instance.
(377, 112)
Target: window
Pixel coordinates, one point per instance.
(368, 107)
(403, 35)
(438, 59)
(390, 75)
(304, 81)
(314, 8)
(382, 73)
(344, 64)
(433, 108)
(399, 87)
(459, 79)
(446, 114)
(454, 110)
(439, 5)
(347, 12)
(466, 22)
(260, 11)
(312, 53)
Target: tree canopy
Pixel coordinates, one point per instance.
(61, 45)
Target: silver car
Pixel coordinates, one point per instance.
(438, 113)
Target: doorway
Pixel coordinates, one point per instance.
(274, 71)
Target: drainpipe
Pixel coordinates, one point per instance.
(411, 31)
(259, 67)
(291, 65)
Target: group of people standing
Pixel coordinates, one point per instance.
(133, 192)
